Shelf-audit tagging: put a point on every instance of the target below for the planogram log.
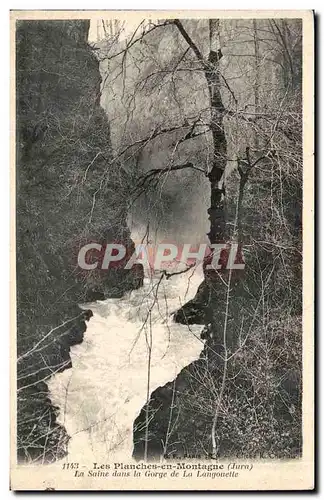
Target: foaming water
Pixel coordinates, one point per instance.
(130, 348)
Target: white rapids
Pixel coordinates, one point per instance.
(102, 394)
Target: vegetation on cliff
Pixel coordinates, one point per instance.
(222, 116)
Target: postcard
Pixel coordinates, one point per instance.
(162, 250)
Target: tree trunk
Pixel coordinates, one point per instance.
(216, 211)
(200, 308)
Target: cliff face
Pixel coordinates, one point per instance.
(69, 192)
(152, 98)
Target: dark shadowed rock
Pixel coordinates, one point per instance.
(70, 192)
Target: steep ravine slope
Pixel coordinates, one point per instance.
(69, 192)
(261, 407)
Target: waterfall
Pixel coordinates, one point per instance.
(104, 391)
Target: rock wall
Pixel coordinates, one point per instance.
(69, 191)
(145, 98)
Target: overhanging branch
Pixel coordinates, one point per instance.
(153, 176)
(188, 39)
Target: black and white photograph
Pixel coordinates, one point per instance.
(164, 202)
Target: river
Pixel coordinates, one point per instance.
(130, 348)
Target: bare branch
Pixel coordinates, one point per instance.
(188, 39)
(158, 172)
(132, 42)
